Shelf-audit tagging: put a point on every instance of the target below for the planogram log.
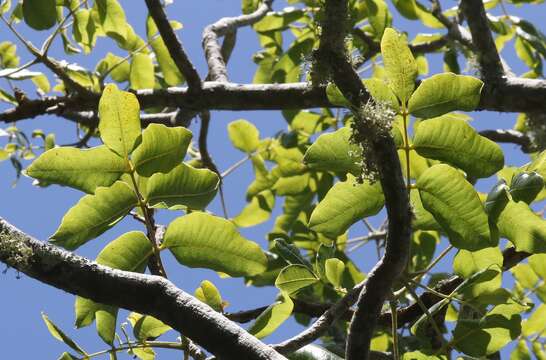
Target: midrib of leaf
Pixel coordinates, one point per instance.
(156, 156)
(440, 103)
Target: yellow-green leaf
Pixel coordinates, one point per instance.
(146, 327)
(119, 123)
(202, 240)
(295, 277)
(81, 169)
(442, 93)
(141, 74)
(272, 317)
(209, 294)
(525, 229)
(334, 152)
(457, 143)
(162, 148)
(334, 269)
(454, 203)
(244, 135)
(400, 66)
(346, 203)
(184, 186)
(94, 214)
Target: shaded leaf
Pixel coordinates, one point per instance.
(184, 186)
(346, 203)
(40, 14)
(272, 317)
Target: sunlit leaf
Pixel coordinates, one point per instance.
(442, 93)
(456, 206)
(400, 65)
(295, 277)
(203, 240)
(81, 169)
(162, 148)
(334, 152)
(94, 214)
(272, 317)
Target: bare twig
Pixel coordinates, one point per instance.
(509, 136)
(205, 156)
(173, 44)
(213, 52)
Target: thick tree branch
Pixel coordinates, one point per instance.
(513, 95)
(225, 26)
(176, 50)
(483, 43)
(145, 294)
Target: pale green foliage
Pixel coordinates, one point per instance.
(306, 175)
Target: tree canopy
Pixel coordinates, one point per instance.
(372, 151)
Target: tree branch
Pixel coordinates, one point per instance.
(483, 43)
(509, 136)
(213, 52)
(176, 50)
(142, 293)
(513, 95)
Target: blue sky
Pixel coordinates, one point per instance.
(38, 211)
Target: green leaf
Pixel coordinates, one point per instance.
(106, 317)
(334, 269)
(146, 327)
(400, 66)
(526, 186)
(244, 135)
(520, 352)
(112, 19)
(81, 169)
(257, 211)
(209, 294)
(94, 214)
(526, 230)
(295, 277)
(422, 219)
(119, 123)
(479, 338)
(468, 263)
(346, 203)
(58, 334)
(203, 240)
(272, 317)
(68, 356)
(381, 92)
(334, 152)
(84, 29)
(170, 71)
(278, 20)
(457, 143)
(141, 74)
(40, 14)
(443, 93)
(313, 352)
(378, 15)
(291, 253)
(456, 206)
(162, 149)
(129, 252)
(536, 323)
(184, 186)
